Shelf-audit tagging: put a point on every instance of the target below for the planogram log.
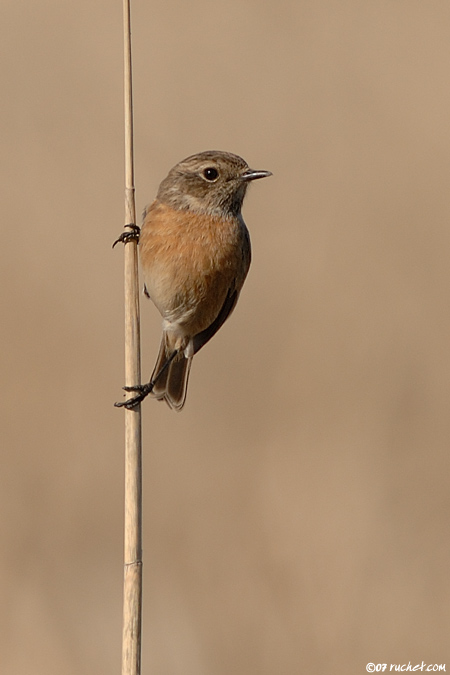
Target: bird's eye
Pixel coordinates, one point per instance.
(211, 174)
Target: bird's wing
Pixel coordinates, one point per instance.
(202, 338)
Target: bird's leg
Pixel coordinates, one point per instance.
(143, 390)
(125, 237)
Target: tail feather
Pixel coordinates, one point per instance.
(171, 385)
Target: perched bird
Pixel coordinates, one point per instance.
(195, 254)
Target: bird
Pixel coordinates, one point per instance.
(195, 253)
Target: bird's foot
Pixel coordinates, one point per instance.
(133, 235)
(142, 391)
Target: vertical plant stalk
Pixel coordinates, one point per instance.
(132, 589)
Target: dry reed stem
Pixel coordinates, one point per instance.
(132, 591)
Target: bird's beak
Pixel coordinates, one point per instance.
(250, 174)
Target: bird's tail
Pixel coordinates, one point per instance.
(172, 375)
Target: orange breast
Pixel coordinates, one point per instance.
(190, 261)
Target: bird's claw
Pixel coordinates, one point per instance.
(142, 391)
(126, 237)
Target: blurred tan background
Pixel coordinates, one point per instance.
(297, 511)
